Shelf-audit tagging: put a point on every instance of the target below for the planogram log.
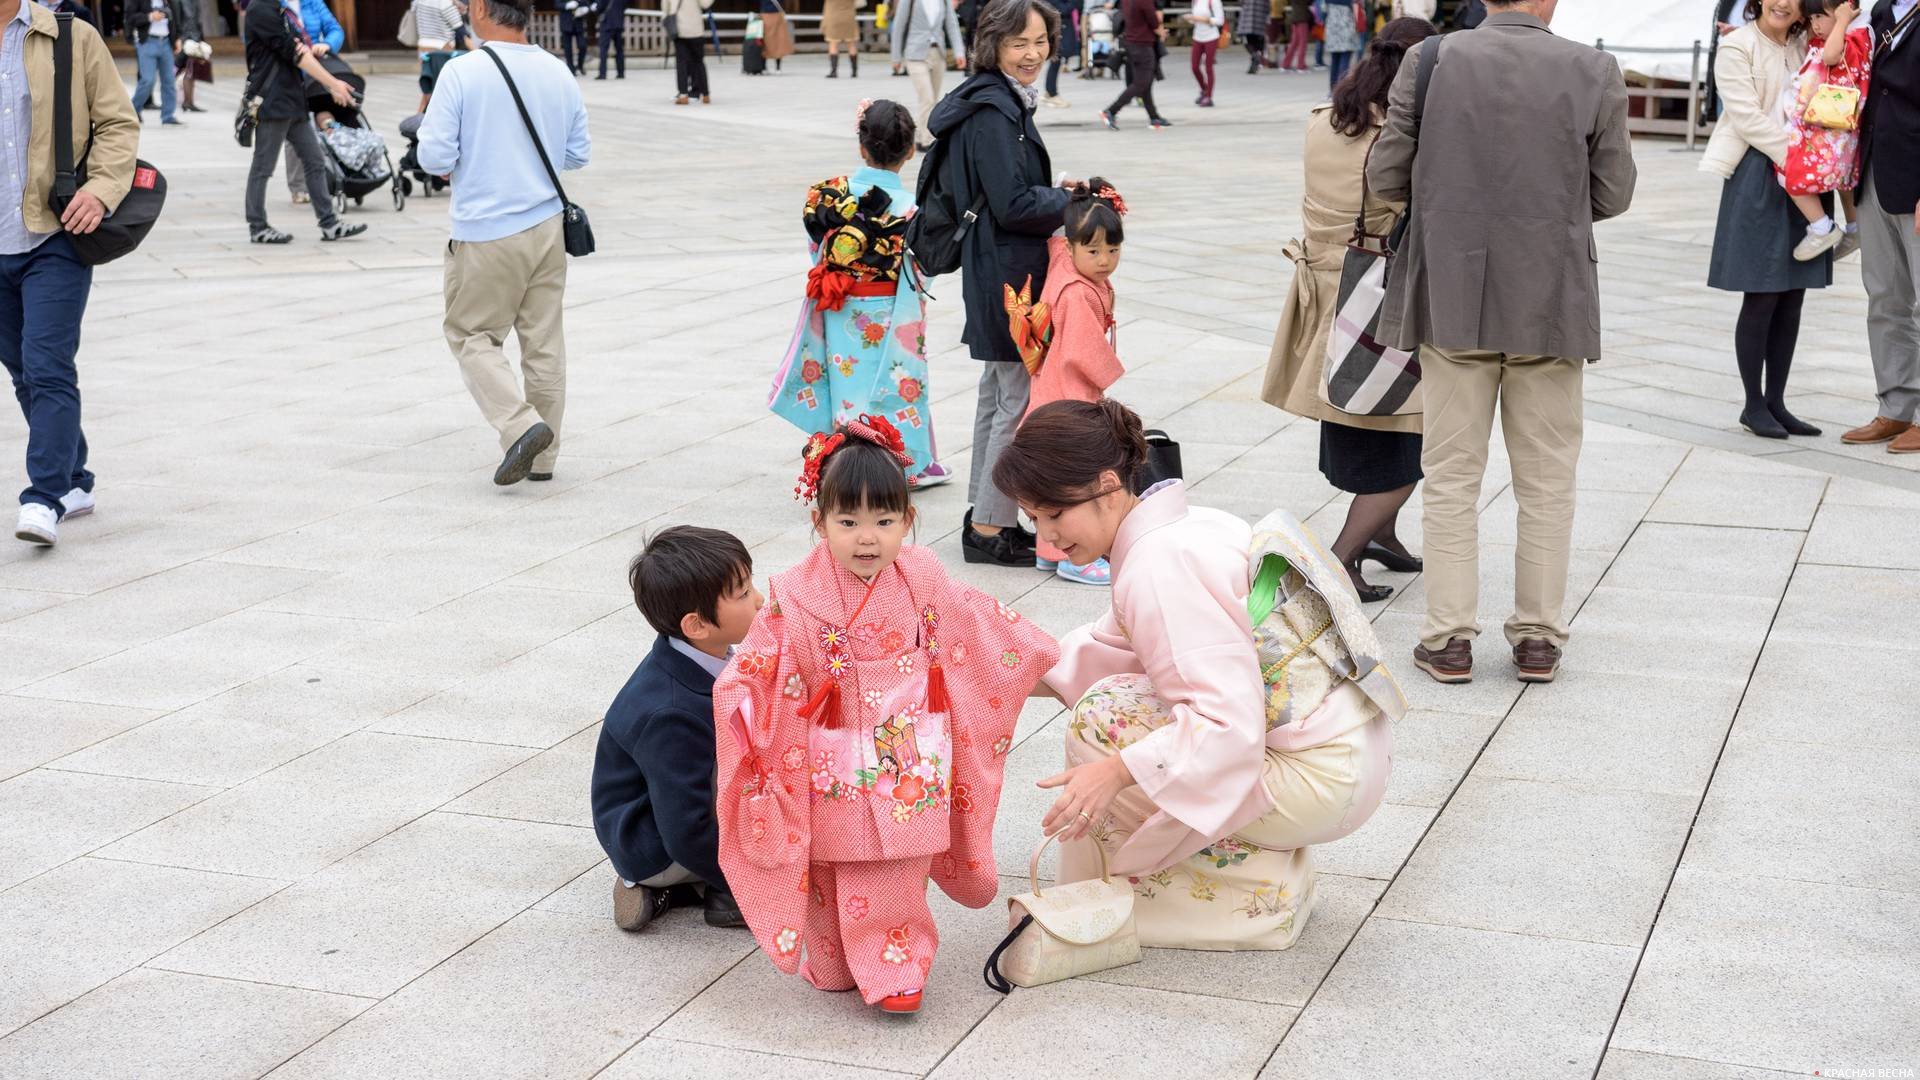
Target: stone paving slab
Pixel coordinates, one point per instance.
(295, 731)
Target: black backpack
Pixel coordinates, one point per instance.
(938, 230)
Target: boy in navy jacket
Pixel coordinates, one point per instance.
(653, 772)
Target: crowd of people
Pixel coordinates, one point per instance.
(804, 762)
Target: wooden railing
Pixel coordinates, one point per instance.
(646, 32)
(1650, 97)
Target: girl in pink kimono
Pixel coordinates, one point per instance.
(1185, 765)
(1067, 340)
(861, 732)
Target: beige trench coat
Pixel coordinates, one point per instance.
(1334, 166)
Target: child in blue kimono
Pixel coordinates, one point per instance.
(860, 346)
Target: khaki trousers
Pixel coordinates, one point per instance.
(926, 87)
(514, 283)
(1540, 412)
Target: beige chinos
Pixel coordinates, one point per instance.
(1538, 398)
(514, 283)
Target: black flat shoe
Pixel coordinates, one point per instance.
(1761, 423)
(1391, 559)
(1002, 547)
(1793, 424)
(518, 461)
(721, 908)
(1369, 593)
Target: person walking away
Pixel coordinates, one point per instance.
(922, 39)
(1069, 46)
(43, 283)
(989, 120)
(688, 19)
(150, 25)
(1889, 203)
(1299, 35)
(1141, 31)
(1342, 41)
(323, 34)
(189, 36)
(1502, 298)
(1208, 18)
(1254, 17)
(506, 263)
(777, 44)
(841, 27)
(613, 34)
(1376, 459)
(276, 56)
(573, 33)
(441, 26)
(1758, 227)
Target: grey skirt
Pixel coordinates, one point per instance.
(1754, 238)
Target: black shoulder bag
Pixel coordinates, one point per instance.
(573, 220)
(121, 231)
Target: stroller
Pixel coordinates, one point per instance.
(410, 169)
(1103, 52)
(370, 168)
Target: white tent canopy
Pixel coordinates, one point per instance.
(1645, 24)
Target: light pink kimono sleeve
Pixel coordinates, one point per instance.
(1186, 611)
(1089, 654)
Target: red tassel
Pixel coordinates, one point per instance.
(824, 709)
(937, 689)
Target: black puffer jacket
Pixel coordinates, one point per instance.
(991, 130)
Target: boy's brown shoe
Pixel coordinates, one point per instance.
(1879, 431)
(1538, 660)
(634, 908)
(1452, 664)
(1907, 442)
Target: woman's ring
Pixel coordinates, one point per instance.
(1086, 815)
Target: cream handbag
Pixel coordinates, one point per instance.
(1064, 930)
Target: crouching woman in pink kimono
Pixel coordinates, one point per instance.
(1211, 746)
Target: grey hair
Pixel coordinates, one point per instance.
(509, 14)
(1007, 18)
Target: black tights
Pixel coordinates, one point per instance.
(1370, 519)
(1763, 342)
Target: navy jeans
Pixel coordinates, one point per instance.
(43, 295)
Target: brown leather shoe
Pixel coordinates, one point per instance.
(1907, 442)
(1538, 660)
(1880, 430)
(1453, 664)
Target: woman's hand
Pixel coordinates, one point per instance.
(341, 93)
(1090, 790)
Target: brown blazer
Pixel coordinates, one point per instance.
(100, 102)
(1523, 147)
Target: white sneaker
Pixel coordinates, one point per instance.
(1813, 245)
(76, 503)
(37, 524)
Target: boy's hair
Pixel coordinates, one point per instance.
(1089, 215)
(685, 570)
(860, 474)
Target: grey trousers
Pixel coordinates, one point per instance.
(267, 139)
(1890, 268)
(296, 176)
(1004, 389)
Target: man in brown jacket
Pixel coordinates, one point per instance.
(43, 284)
(1523, 146)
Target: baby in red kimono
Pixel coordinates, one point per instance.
(1075, 359)
(861, 731)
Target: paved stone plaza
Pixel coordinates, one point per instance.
(295, 732)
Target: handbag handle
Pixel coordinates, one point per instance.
(1423, 77)
(1033, 863)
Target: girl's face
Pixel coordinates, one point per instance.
(1097, 259)
(865, 541)
(1085, 531)
(1024, 54)
(1779, 15)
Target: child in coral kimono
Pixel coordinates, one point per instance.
(1824, 159)
(860, 346)
(1067, 340)
(861, 731)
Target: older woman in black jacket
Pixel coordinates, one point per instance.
(989, 120)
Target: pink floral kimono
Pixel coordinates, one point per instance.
(861, 737)
(1217, 836)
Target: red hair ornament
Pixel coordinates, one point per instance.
(820, 446)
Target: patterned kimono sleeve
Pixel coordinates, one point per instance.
(994, 656)
(760, 796)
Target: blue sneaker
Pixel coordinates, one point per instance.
(1044, 564)
(1096, 572)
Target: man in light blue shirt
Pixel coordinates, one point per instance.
(506, 265)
